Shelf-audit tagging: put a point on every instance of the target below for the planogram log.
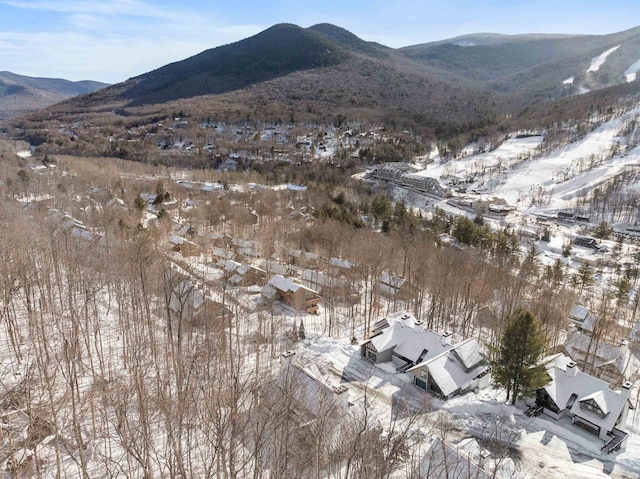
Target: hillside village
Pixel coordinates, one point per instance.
(313, 266)
(359, 330)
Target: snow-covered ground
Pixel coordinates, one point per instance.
(598, 61)
(548, 448)
(548, 172)
(512, 150)
(515, 173)
(630, 73)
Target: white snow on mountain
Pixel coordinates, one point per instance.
(549, 172)
(504, 155)
(630, 73)
(518, 171)
(598, 61)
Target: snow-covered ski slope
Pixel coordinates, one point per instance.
(598, 61)
(517, 170)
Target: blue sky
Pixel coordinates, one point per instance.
(112, 40)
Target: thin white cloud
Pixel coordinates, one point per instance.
(84, 53)
(136, 8)
(111, 40)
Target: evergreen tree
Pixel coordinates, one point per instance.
(381, 207)
(301, 333)
(139, 203)
(515, 361)
(602, 231)
(584, 277)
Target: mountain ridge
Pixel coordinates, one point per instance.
(325, 72)
(20, 94)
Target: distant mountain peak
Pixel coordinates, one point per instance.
(20, 94)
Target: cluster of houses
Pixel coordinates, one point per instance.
(589, 382)
(434, 362)
(444, 368)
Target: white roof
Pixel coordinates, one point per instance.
(590, 322)
(409, 340)
(182, 229)
(177, 240)
(564, 385)
(455, 368)
(578, 313)
(242, 269)
(310, 388)
(341, 263)
(244, 243)
(185, 294)
(268, 291)
(599, 398)
(556, 360)
(469, 353)
(229, 265)
(83, 234)
(287, 284)
(222, 253)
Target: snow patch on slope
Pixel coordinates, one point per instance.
(568, 81)
(598, 61)
(504, 155)
(548, 172)
(630, 73)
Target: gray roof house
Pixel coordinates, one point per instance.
(614, 363)
(186, 301)
(587, 400)
(436, 365)
(583, 318)
(312, 394)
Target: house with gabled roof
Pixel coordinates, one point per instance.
(459, 369)
(293, 293)
(587, 400)
(186, 301)
(583, 318)
(311, 392)
(182, 245)
(436, 365)
(614, 363)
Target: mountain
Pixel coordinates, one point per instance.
(534, 67)
(288, 72)
(325, 74)
(21, 94)
(276, 52)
